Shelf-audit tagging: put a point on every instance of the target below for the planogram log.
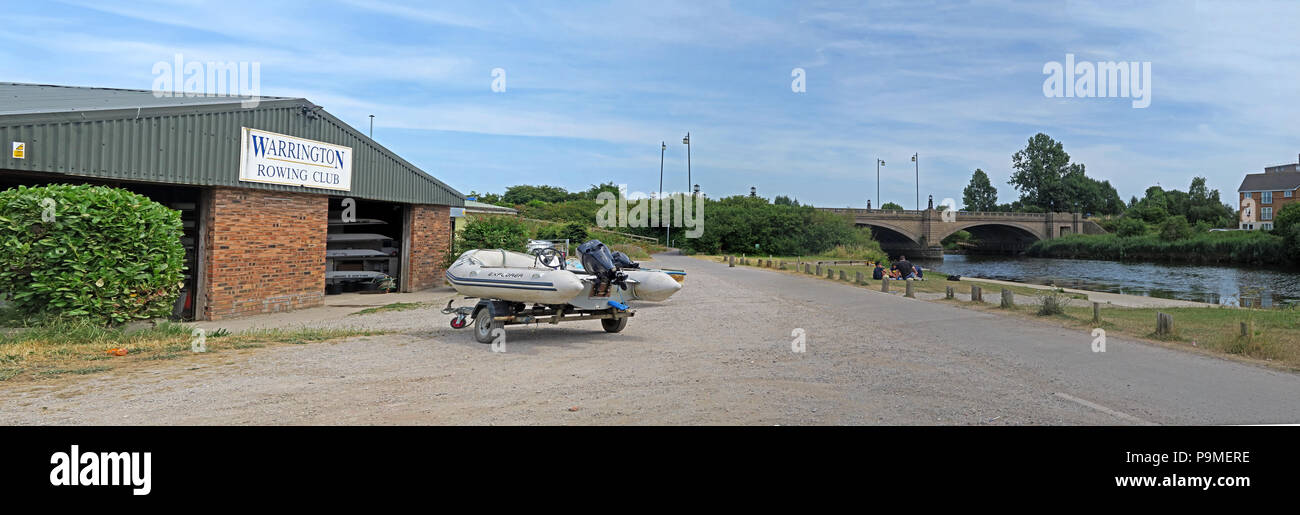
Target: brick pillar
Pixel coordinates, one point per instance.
(264, 251)
(430, 243)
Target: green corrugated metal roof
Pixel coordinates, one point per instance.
(133, 135)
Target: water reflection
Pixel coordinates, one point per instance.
(1230, 285)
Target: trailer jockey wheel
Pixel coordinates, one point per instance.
(458, 322)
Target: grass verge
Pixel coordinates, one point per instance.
(62, 349)
(396, 306)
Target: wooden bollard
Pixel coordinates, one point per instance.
(976, 294)
(842, 275)
(909, 293)
(830, 274)
(783, 265)
(1164, 324)
(858, 278)
(1008, 299)
(1246, 331)
(948, 294)
(819, 269)
(1096, 312)
(731, 261)
(807, 268)
(884, 285)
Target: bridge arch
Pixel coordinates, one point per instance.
(887, 232)
(992, 235)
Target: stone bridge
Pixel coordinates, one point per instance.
(918, 233)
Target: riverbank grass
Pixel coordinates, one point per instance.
(1273, 334)
(59, 349)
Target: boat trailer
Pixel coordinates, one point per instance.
(490, 314)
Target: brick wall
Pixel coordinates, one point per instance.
(1280, 200)
(430, 242)
(265, 251)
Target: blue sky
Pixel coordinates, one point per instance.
(592, 88)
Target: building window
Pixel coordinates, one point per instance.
(1288, 193)
(1266, 227)
(1245, 196)
(1266, 213)
(1267, 197)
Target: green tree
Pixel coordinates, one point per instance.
(979, 194)
(890, 206)
(596, 189)
(1040, 169)
(523, 194)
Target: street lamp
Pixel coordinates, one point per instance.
(687, 141)
(879, 163)
(659, 201)
(918, 180)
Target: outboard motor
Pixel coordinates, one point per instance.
(622, 261)
(597, 260)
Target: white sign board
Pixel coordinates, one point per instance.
(279, 159)
(457, 212)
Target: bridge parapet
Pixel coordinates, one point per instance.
(924, 229)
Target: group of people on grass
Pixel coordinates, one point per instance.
(900, 270)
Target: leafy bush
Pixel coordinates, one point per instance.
(1214, 247)
(101, 254)
(1292, 239)
(743, 224)
(1286, 218)
(1053, 302)
(1175, 228)
(1127, 227)
(575, 232)
(493, 232)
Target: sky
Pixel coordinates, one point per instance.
(591, 89)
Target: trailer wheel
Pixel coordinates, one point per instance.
(613, 325)
(484, 326)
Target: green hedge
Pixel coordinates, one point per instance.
(1214, 247)
(90, 252)
(493, 232)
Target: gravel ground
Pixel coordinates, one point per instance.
(719, 352)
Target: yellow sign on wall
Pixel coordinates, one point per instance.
(20, 150)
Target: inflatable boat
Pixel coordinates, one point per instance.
(507, 282)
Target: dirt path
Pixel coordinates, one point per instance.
(719, 352)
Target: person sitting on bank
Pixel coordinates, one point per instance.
(904, 267)
(878, 272)
(919, 276)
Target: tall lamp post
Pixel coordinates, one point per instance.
(918, 180)
(879, 163)
(659, 201)
(687, 141)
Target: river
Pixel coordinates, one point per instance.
(1218, 284)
